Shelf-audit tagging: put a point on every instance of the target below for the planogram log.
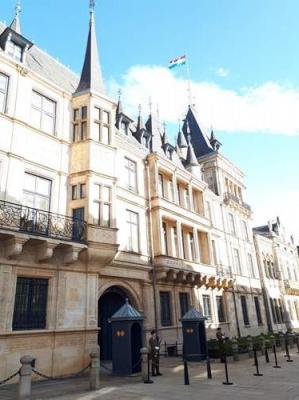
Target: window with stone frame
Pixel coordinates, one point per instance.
(14, 50)
(244, 310)
(132, 224)
(184, 303)
(43, 113)
(165, 308)
(220, 308)
(273, 311)
(37, 192)
(30, 308)
(207, 309)
(258, 310)
(245, 230)
(160, 185)
(104, 202)
(250, 265)
(232, 226)
(102, 121)
(131, 175)
(4, 81)
(237, 261)
(165, 238)
(80, 124)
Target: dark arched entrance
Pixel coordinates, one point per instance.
(136, 344)
(110, 302)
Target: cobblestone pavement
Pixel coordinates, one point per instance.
(275, 384)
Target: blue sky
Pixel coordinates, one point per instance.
(244, 66)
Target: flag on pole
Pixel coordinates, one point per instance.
(177, 62)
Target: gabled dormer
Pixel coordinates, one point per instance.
(122, 121)
(12, 42)
(142, 134)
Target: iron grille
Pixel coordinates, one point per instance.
(30, 304)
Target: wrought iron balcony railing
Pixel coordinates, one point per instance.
(229, 196)
(16, 217)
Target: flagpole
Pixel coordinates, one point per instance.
(188, 81)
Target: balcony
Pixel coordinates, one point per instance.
(292, 287)
(233, 200)
(15, 217)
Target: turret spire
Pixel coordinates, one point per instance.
(91, 76)
(15, 25)
(181, 140)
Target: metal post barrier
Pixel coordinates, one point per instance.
(24, 392)
(186, 373)
(148, 379)
(275, 357)
(256, 363)
(209, 371)
(266, 354)
(297, 344)
(176, 349)
(287, 351)
(94, 372)
(165, 349)
(227, 382)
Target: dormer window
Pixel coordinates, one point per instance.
(124, 127)
(15, 51)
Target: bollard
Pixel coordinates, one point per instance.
(186, 373)
(25, 378)
(297, 344)
(266, 354)
(256, 363)
(209, 371)
(165, 349)
(227, 382)
(235, 349)
(287, 351)
(147, 369)
(275, 357)
(94, 372)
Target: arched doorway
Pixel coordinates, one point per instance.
(136, 344)
(111, 301)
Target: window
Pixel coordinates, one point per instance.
(124, 127)
(171, 190)
(165, 309)
(13, 50)
(43, 113)
(209, 212)
(131, 174)
(78, 194)
(297, 309)
(160, 185)
(80, 124)
(191, 246)
(280, 309)
(132, 222)
(104, 206)
(258, 310)
(207, 306)
(187, 198)
(3, 91)
(220, 308)
(37, 192)
(164, 233)
(237, 261)
(232, 226)
(250, 265)
(178, 193)
(175, 242)
(244, 310)
(274, 316)
(245, 230)
(103, 123)
(30, 309)
(291, 312)
(184, 303)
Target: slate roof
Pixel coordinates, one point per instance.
(200, 140)
(193, 315)
(127, 313)
(46, 66)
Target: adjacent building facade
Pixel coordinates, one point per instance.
(96, 208)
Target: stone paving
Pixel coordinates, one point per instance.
(275, 384)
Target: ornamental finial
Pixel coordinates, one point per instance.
(18, 8)
(92, 5)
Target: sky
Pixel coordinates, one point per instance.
(244, 74)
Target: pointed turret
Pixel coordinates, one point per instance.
(140, 124)
(164, 135)
(214, 142)
(91, 76)
(181, 140)
(191, 159)
(15, 25)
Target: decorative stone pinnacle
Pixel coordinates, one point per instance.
(18, 8)
(92, 5)
(119, 92)
(139, 109)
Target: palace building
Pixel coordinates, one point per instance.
(96, 208)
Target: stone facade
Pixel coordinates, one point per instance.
(165, 226)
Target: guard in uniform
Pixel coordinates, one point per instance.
(154, 353)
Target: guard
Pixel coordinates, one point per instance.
(154, 353)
